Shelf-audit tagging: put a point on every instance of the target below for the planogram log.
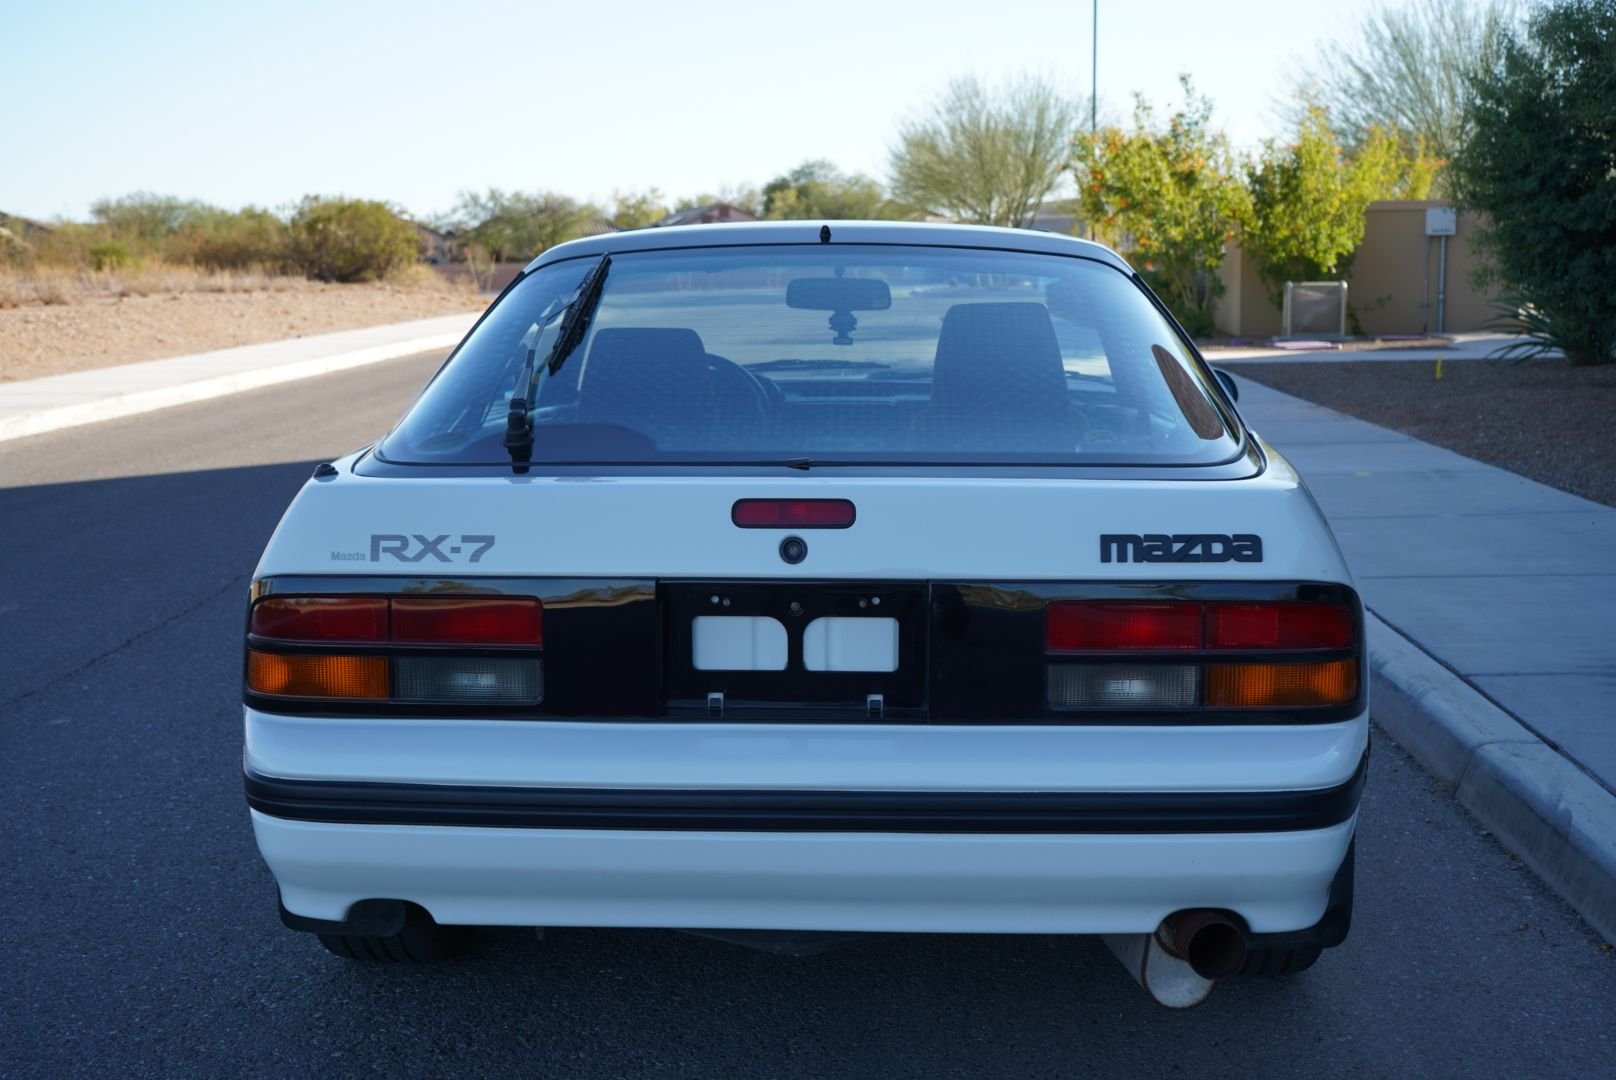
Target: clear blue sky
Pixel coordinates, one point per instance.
(411, 102)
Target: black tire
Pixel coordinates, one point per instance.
(420, 941)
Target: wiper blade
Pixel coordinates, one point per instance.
(574, 322)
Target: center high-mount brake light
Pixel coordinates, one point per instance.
(792, 513)
(1175, 640)
(410, 649)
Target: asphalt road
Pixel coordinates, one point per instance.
(138, 933)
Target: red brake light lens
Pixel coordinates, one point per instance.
(468, 620)
(1083, 625)
(321, 618)
(1278, 626)
(792, 513)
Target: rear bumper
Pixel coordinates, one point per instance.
(804, 827)
(807, 811)
(909, 882)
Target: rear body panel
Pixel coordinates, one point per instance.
(967, 527)
(625, 540)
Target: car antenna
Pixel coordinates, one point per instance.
(824, 234)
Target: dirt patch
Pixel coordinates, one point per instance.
(1545, 420)
(36, 340)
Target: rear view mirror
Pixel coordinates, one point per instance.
(838, 294)
(1229, 385)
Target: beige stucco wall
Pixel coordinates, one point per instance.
(1387, 287)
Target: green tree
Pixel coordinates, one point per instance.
(1169, 194)
(985, 156)
(515, 226)
(144, 222)
(1407, 71)
(636, 210)
(819, 190)
(1305, 217)
(350, 239)
(1541, 167)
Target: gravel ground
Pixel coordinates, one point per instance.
(1545, 420)
(38, 341)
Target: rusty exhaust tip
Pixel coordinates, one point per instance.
(1212, 943)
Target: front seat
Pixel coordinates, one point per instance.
(654, 380)
(998, 384)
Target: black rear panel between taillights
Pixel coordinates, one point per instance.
(940, 652)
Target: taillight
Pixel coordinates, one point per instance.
(1170, 647)
(298, 675)
(452, 650)
(1083, 625)
(1281, 686)
(1278, 626)
(321, 618)
(792, 513)
(469, 621)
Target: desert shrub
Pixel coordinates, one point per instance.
(350, 239)
(111, 255)
(1542, 332)
(14, 250)
(143, 222)
(244, 240)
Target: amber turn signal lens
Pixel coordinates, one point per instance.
(316, 676)
(1281, 686)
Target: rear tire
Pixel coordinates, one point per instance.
(420, 941)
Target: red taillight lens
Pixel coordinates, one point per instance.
(468, 621)
(792, 513)
(1083, 625)
(321, 618)
(1278, 626)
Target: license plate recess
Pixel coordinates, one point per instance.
(898, 694)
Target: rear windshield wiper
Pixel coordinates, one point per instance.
(574, 321)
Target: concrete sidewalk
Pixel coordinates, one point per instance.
(1494, 650)
(32, 406)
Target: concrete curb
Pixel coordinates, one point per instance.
(1559, 820)
(63, 401)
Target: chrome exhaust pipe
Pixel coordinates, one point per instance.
(1177, 964)
(1212, 943)
(1168, 980)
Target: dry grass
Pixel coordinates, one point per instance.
(45, 286)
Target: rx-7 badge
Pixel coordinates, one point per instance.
(415, 547)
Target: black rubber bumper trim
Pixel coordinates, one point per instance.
(807, 811)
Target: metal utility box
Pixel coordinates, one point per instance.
(1315, 307)
(1441, 221)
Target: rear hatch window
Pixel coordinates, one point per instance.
(825, 355)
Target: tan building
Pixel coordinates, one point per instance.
(1393, 287)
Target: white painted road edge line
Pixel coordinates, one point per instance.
(115, 405)
(1558, 819)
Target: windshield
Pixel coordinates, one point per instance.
(853, 354)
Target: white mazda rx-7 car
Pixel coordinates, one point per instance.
(801, 577)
